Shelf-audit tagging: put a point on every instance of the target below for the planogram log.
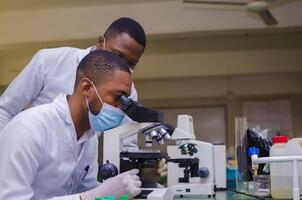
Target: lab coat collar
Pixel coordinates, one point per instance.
(84, 52)
(62, 107)
(92, 48)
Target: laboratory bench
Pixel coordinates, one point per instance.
(226, 195)
(223, 195)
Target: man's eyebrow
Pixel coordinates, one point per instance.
(118, 52)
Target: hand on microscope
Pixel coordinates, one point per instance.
(127, 183)
(162, 168)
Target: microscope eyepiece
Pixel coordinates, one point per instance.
(139, 113)
(125, 101)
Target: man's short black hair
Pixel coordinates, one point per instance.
(129, 26)
(100, 65)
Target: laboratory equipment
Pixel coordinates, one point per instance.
(250, 142)
(196, 157)
(146, 161)
(252, 138)
(242, 175)
(200, 177)
(124, 197)
(137, 112)
(109, 198)
(284, 158)
(150, 126)
(210, 175)
(113, 139)
(281, 173)
(262, 185)
(107, 170)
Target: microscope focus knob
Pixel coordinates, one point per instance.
(203, 172)
(108, 170)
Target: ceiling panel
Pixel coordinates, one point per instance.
(22, 5)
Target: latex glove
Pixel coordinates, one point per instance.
(127, 183)
(162, 168)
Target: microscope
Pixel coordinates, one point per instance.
(118, 159)
(195, 168)
(209, 173)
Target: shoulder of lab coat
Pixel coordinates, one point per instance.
(21, 150)
(28, 89)
(28, 85)
(22, 146)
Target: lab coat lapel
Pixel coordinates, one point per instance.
(64, 113)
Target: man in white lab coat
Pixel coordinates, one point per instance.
(50, 151)
(53, 71)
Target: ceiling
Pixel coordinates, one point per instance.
(202, 37)
(24, 5)
(32, 21)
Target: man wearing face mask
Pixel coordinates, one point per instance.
(53, 71)
(50, 151)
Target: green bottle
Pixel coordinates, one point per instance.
(99, 198)
(124, 197)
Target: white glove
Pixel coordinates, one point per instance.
(162, 168)
(127, 183)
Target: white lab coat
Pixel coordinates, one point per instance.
(41, 157)
(49, 73)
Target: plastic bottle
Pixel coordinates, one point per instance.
(124, 197)
(109, 198)
(282, 173)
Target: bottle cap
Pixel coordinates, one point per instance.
(253, 151)
(280, 139)
(109, 198)
(124, 197)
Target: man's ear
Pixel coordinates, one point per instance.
(85, 87)
(100, 43)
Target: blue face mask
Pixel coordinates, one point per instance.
(109, 116)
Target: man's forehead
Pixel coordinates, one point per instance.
(124, 43)
(121, 82)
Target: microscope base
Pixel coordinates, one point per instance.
(182, 190)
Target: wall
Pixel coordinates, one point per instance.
(227, 91)
(189, 56)
(297, 115)
(200, 70)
